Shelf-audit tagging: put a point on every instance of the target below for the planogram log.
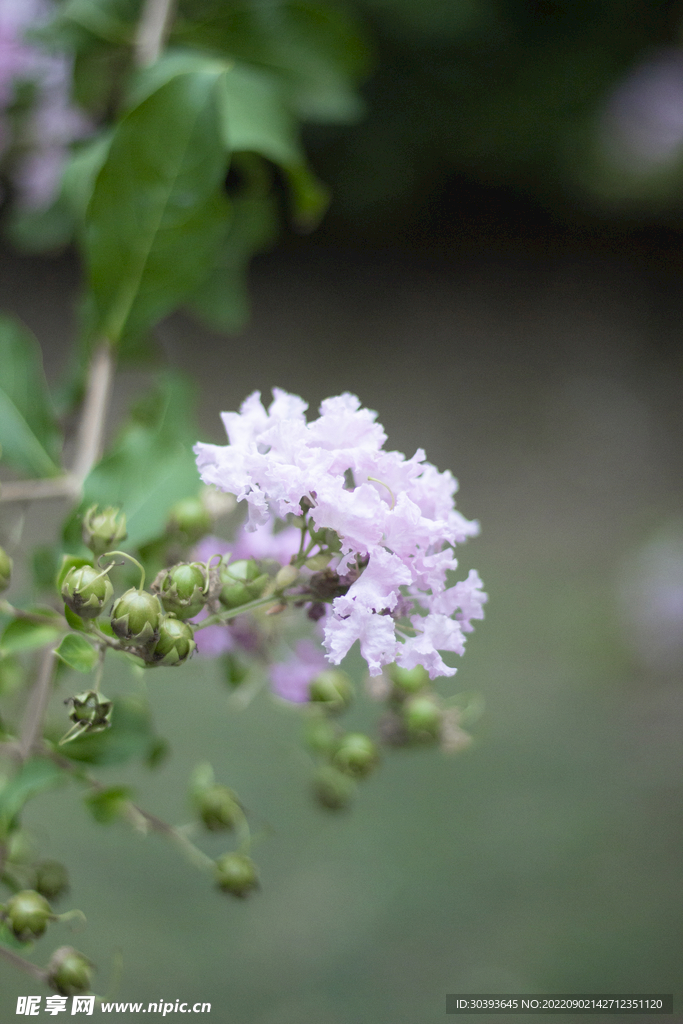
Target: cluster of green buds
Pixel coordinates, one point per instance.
(21, 871)
(415, 713)
(344, 758)
(219, 810)
(5, 570)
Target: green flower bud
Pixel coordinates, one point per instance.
(181, 589)
(218, 808)
(242, 582)
(135, 617)
(5, 570)
(102, 531)
(333, 789)
(190, 518)
(332, 689)
(52, 879)
(236, 874)
(91, 710)
(422, 717)
(320, 735)
(176, 642)
(356, 754)
(86, 591)
(408, 680)
(286, 576)
(69, 972)
(27, 914)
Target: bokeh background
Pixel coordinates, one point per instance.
(499, 276)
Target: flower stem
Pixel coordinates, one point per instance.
(232, 613)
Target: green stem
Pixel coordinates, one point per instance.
(18, 961)
(232, 613)
(130, 558)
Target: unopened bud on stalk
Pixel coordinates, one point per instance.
(135, 617)
(332, 689)
(182, 589)
(242, 582)
(422, 717)
(5, 570)
(91, 711)
(189, 518)
(27, 914)
(333, 789)
(86, 591)
(175, 644)
(408, 680)
(103, 530)
(236, 874)
(52, 879)
(356, 754)
(218, 808)
(69, 972)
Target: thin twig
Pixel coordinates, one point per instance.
(88, 444)
(152, 31)
(24, 965)
(40, 694)
(91, 429)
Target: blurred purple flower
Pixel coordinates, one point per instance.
(53, 123)
(643, 117)
(291, 679)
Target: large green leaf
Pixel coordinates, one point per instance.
(33, 777)
(151, 465)
(22, 635)
(255, 116)
(77, 653)
(29, 434)
(158, 211)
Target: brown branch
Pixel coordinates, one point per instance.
(93, 416)
(40, 694)
(24, 965)
(152, 30)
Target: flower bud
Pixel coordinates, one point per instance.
(52, 879)
(91, 710)
(332, 689)
(333, 790)
(69, 972)
(5, 570)
(86, 591)
(422, 718)
(27, 914)
(103, 531)
(286, 576)
(356, 754)
(190, 518)
(218, 808)
(176, 642)
(320, 735)
(236, 874)
(242, 582)
(135, 617)
(181, 589)
(408, 680)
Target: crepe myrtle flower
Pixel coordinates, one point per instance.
(395, 519)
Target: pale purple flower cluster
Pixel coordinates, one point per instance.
(53, 122)
(395, 518)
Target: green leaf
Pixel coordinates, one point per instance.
(222, 299)
(45, 564)
(130, 735)
(157, 212)
(108, 804)
(22, 635)
(80, 173)
(29, 434)
(151, 465)
(75, 621)
(33, 777)
(255, 116)
(77, 653)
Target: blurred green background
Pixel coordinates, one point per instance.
(504, 288)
